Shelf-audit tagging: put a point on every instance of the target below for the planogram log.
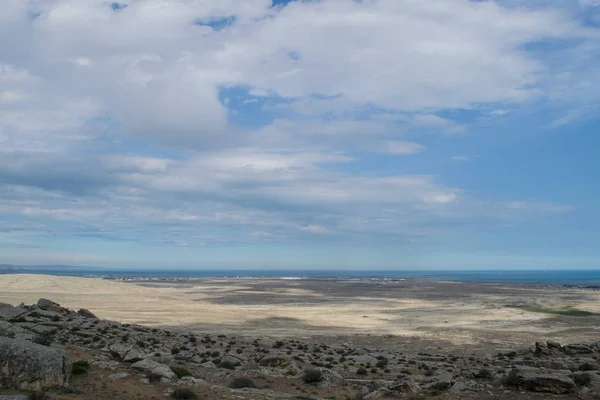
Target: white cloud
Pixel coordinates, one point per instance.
(460, 158)
(401, 148)
(363, 76)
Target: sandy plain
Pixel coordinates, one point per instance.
(473, 314)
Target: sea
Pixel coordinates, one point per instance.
(553, 277)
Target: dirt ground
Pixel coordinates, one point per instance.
(459, 314)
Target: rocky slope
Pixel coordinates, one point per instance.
(112, 360)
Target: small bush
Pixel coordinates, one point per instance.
(312, 375)
(175, 350)
(583, 379)
(55, 318)
(37, 396)
(362, 371)
(184, 394)
(42, 339)
(80, 367)
(153, 377)
(240, 383)
(181, 372)
(484, 373)
(382, 362)
(140, 343)
(227, 364)
(512, 379)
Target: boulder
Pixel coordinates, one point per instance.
(8, 312)
(578, 349)
(134, 355)
(48, 305)
(553, 345)
(30, 366)
(119, 350)
(405, 385)
(118, 375)
(155, 368)
(86, 313)
(546, 383)
(443, 382)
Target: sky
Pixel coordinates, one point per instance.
(333, 134)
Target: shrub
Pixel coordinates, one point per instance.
(583, 379)
(181, 372)
(313, 375)
(42, 339)
(484, 373)
(362, 371)
(37, 396)
(512, 379)
(184, 394)
(175, 350)
(140, 343)
(240, 383)
(227, 364)
(153, 377)
(55, 318)
(80, 367)
(382, 362)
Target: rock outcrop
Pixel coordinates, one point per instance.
(154, 367)
(29, 366)
(48, 305)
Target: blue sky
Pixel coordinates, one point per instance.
(324, 134)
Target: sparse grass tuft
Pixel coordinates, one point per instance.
(80, 367)
(181, 372)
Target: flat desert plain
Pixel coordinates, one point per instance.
(474, 314)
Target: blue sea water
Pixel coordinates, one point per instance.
(573, 277)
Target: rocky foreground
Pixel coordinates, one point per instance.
(50, 352)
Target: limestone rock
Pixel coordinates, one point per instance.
(134, 355)
(29, 366)
(86, 313)
(119, 350)
(118, 375)
(155, 368)
(546, 383)
(48, 305)
(8, 312)
(405, 385)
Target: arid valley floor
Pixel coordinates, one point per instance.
(415, 339)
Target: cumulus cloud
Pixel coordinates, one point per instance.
(190, 117)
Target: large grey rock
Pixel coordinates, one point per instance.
(578, 349)
(154, 367)
(30, 366)
(86, 313)
(119, 350)
(8, 312)
(443, 382)
(546, 383)
(134, 355)
(405, 385)
(48, 305)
